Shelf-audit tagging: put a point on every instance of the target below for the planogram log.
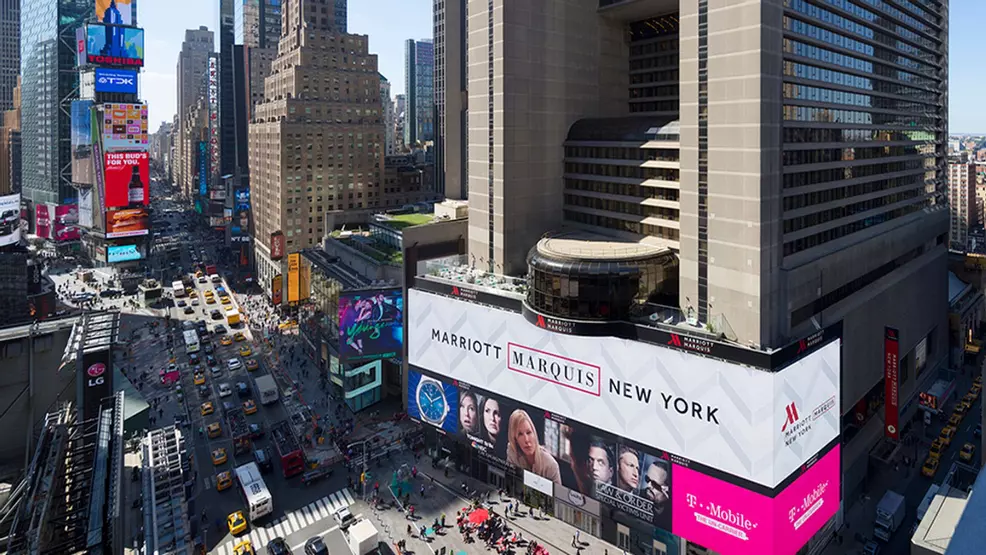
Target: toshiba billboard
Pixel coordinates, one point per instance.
(756, 425)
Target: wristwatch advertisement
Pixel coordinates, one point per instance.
(435, 401)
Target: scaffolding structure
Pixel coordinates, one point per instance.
(73, 488)
(167, 484)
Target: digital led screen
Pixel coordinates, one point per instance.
(371, 325)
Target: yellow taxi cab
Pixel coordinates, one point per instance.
(975, 390)
(955, 419)
(189, 291)
(245, 351)
(946, 435)
(936, 449)
(244, 548)
(226, 300)
(208, 293)
(978, 381)
(930, 467)
(193, 295)
(224, 480)
(967, 452)
(199, 378)
(214, 430)
(252, 364)
(249, 407)
(236, 523)
(206, 409)
(218, 456)
(286, 325)
(226, 340)
(210, 300)
(198, 273)
(969, 400)
(238, 336)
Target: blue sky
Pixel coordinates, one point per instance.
(388, 23)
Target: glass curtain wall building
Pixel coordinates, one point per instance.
(49, 83)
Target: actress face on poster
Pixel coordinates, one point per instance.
(524, 449)
(490, 418)
(468, 417)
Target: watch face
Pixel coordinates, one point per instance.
(431, 401)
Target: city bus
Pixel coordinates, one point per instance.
(191, 341)
(178, 289)
(255, 493)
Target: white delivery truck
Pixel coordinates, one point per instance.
(363, 537)
(266, 389)
(889, 515)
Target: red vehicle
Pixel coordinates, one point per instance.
(289, 450)
(210, 269)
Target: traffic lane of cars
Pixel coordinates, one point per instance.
(957, 432)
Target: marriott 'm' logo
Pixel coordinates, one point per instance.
(540, 322)
(790, 416)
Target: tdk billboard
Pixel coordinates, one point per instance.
(116, 81)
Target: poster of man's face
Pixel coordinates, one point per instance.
(600, 461)
(628, 469)
(656, 487)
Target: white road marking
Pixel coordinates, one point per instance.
(294, 522)
(313, 509)
(307, 516)
(349, 498)
(323, 511)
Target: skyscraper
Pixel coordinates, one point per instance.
(227, 103)
(795, 166)
(49, 83)
(338, 139)
(10, 53)
(451, 99)
(962, 203)
(387, 106)
(192, 62)
(419, 64)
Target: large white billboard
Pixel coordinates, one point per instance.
(10, 220)
(751, 423)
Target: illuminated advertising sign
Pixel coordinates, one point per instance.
(127, 179)
(85, 208)
(125, 127)
(114, 45)
(122, 253)
(694, 406)
(83, 170)
(277, 245)
(242, 197)
(203, 168)
(371, 325)
(42, 221)
(116, 12)
(94, 382)
(126, 223)
(66, 224)
(891, 380)
(564, 457)
(276, 289)
(294, 278)
(213, 99)
(217, 194)
(116, 80)
(10, 220)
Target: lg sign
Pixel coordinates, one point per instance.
(96, 375)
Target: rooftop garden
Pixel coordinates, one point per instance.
(407, 220)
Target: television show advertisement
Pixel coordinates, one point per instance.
(127, 179)
(371, 325)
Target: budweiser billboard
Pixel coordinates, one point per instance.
(277, 245)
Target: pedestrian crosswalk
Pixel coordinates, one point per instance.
(291, 522)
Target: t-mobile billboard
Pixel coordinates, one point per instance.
(756, 425)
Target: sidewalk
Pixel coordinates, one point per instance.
(553, 533)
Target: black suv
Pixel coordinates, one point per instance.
(262, 458)
(278, 546)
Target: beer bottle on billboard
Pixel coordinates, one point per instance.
(135, 190)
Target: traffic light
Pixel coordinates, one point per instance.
(362, 477)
